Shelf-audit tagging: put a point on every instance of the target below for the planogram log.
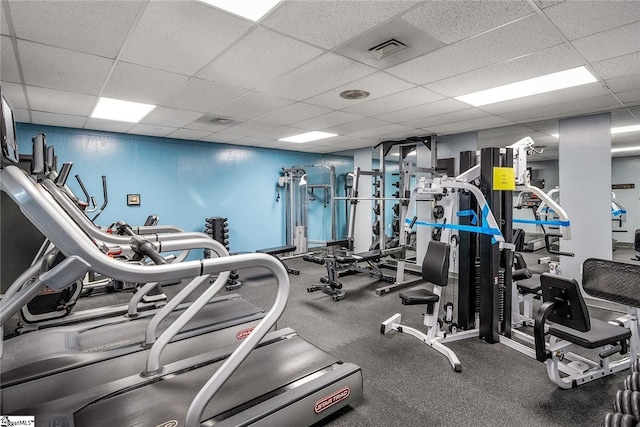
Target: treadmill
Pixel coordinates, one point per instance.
(275, 379)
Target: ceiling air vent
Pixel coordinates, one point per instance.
(387, 48)
(220, 121)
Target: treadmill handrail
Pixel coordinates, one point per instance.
(217, 380)
(46, 215)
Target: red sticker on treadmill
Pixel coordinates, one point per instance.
(240, 335)
(332, 399)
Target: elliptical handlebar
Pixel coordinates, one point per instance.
(105, 196)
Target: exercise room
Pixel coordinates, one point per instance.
(320, 213)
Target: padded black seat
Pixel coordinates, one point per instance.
(277, 250)
(530, 286)
(418, 296)
(601, 333)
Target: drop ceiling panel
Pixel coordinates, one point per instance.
(327, 120)
(60, 102)
(202, 95)
(356, 125)
(188, 134)
(382, 131)
(172, 117)
(8, 65)
(609, 44)
(525, 36)
(551, 60)
(252, 104)
(181, 36)
(20, 115)
(107, 125)
(282, 132)
(62, 69)
(136, 83)
(452, 21)
(469, 125)
(354, 143)
(631, 97)
(329, 23)
(151, 130)
(53, 119)
(378, 84)
(397, 101)
(95, 27)
(218, 137)
(619, 66)
(293, 113)
(625, 83)
(4, 26)
(15, 94)
(582, 18)
(564, 109)
(426, 110)
(443, 119)
(250, 128)
(321, 74)
(272, 53)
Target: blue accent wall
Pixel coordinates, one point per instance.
(185, 182)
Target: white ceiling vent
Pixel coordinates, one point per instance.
(387, 48)
(210, 119)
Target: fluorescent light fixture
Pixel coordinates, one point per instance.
(122, 111)
(625, 129)
(250, 9)
(550, 82)
(309, 136)
(625, 149)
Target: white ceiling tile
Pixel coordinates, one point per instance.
(409, 132)
(4, 26)
(20, 115)
(425, 110)
(252, 104)
(293, 113)
(151, 130)
(609, 44)
(62, 120)
(470, 125)
(60, 102)
(378, 84)
(543, 4)
(250, 128)
(397, 101)
(564, 109)
(329, 23)
(191, 134)
(619, 66)
(107, 125)
(218, 137)
(452, 21)
(281, 132)
(389, 129)
(625, 83)
(355, 126)
(272, 53)
(204, 123)
(8, 65)
(321, 74)
(554, 59)
(136, 83)
(95, 27)
(630, 97)
(57, 68)
(525, 36)
(327, 120)
(15, 94)
(181, 36)
(353, 143)
(581, 18)
(172, 117)
(202, 95)
(443, 119)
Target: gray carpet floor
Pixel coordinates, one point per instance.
(406, 383)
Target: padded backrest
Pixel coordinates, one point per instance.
(612, 280)
(435, 266)
(570, 309)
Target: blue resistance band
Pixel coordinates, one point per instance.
(470, 228)
(540, 222)
(618, 212)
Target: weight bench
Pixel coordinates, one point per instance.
(435, 269)
(277, 250)
(345, 265)
(571, 326)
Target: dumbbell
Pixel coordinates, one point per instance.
(627, 402)
(617, 419)
(632, 382)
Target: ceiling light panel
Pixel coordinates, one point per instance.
(307, 137)
(250, 9)
(122, 111)
(548, 83)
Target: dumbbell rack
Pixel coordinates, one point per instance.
(218, 229)
(626, 402)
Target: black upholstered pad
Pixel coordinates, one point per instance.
(435, 265)
(277, 250)
(601, 333)
(418, 296)
(529, 286)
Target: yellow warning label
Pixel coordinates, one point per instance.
(504, 179)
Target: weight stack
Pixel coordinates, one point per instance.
(218, 229)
